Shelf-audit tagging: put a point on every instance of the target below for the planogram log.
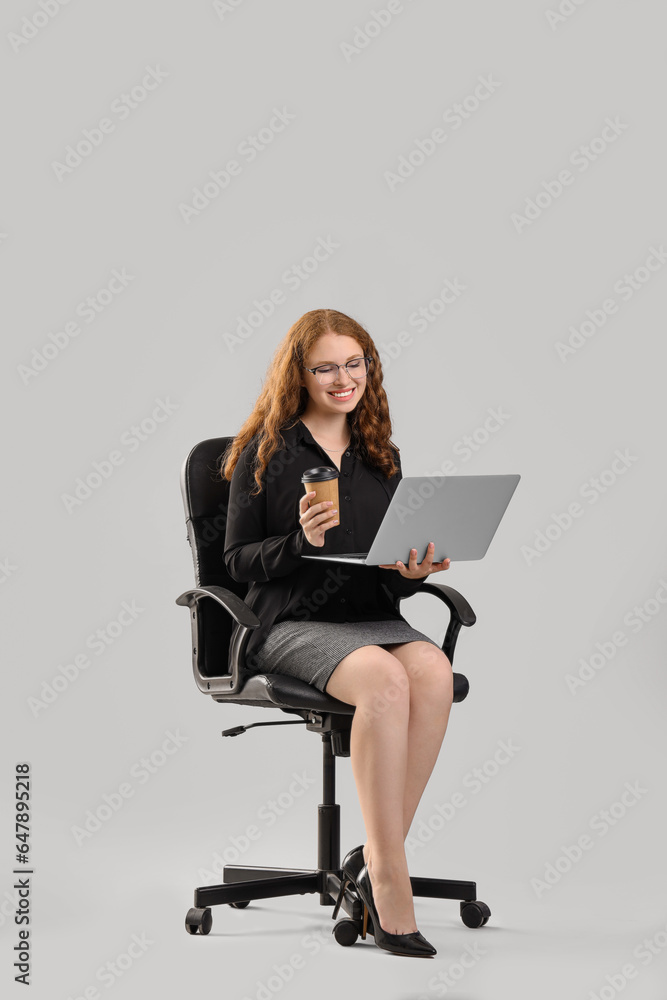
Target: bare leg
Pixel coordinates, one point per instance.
(431, 690)
(385, 766)
(376, 683)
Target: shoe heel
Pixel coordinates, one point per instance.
(345, 881)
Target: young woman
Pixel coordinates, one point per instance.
(335, 625)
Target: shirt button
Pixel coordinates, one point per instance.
(349, 531)
(346, 473)
(342, 600)
(347, 455)
(348, 498)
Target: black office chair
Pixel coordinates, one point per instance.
(221, 621)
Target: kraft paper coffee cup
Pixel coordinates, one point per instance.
(324, 480)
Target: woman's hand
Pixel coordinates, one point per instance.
(316, 520)
(417, 570)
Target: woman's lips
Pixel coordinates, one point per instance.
(342, 398)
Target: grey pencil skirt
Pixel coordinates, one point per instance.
(311, 651)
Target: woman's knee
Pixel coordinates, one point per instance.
(370, 677)
(430, 674)
(388, 688)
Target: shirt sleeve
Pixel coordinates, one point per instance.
(393, 582)
(249, 555)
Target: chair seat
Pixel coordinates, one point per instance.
(283, 691)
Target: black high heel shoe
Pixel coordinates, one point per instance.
(352, 864)
(353, 861)
(413, 943)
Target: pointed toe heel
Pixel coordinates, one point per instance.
(427, 944)
(413, 943)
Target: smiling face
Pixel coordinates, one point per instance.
(333, 349)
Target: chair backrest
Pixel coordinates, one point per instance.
(206, 498)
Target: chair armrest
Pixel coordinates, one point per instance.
(456, 602)
(460, 613)
(231, 602)
(244, 617)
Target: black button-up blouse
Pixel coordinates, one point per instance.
(264, 541)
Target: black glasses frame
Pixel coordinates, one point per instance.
(356, 378)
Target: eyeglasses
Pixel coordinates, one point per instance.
(325, 374)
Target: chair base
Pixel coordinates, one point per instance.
(243, 883)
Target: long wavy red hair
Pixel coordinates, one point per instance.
(283, 400)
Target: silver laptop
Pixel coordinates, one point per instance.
(460, 514)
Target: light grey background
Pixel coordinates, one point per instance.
(67, 573)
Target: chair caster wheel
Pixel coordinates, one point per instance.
(198, 919)
(240, 904)
(475, 914)
(346, 932)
